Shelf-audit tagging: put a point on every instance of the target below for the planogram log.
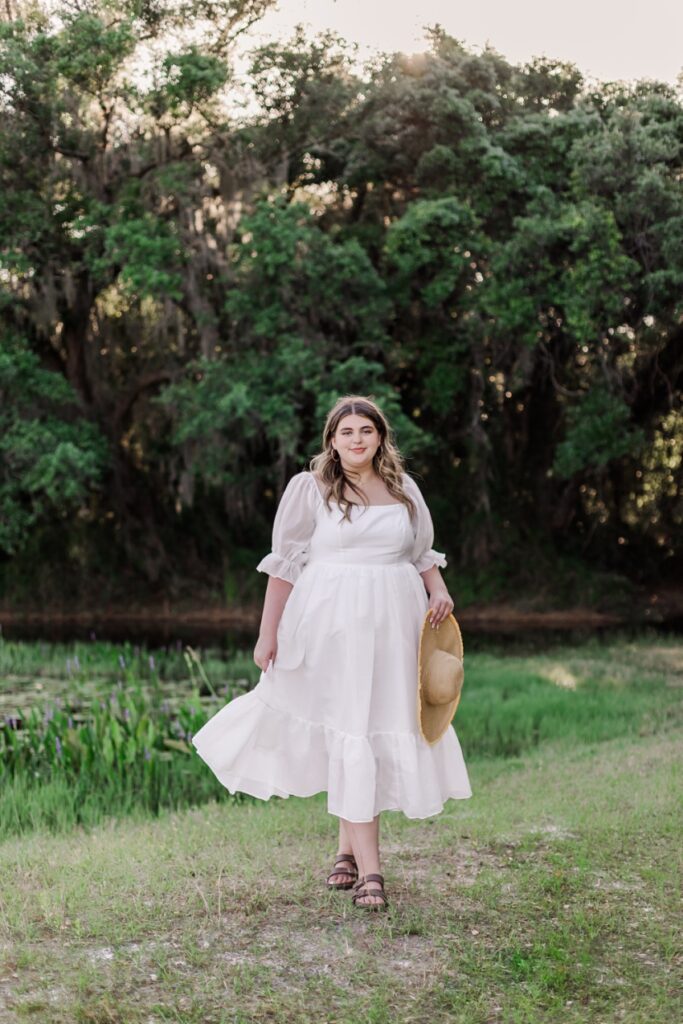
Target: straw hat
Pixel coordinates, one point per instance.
(440, 676)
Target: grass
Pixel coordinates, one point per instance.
(111, 734)
(549, 896)
(101, 730)
(552, 895)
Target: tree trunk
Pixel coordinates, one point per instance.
(75, 318)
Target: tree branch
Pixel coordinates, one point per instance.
(126, 403)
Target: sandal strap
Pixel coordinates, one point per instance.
(362, 893)
(342, 871)
(346, 856)
(362, 889)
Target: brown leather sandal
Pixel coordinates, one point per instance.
(352, 875)
(362, 890)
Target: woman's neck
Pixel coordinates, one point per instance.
(361, 477)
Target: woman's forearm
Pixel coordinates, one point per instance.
(440, 601)
(433, 580)
(274, 602)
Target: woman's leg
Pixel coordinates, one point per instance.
(365, 844)
(345, 843)
(345, 846)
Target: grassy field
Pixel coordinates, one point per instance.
(91, 731)
(552, 895)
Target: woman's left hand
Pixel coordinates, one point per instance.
(440, 605)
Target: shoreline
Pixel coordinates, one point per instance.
(483, 619)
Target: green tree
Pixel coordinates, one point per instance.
(50, 458)
(493, 250)
(112, 196)
(308, 322)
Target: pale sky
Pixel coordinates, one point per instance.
(606, 39)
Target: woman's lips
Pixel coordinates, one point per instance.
(358, 449)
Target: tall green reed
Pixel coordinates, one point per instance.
(109, 754)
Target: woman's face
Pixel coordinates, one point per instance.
(356, 439)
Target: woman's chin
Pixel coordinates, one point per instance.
(357, 464)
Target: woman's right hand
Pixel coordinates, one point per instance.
(265, 651)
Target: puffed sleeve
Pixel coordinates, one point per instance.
(292, 529)
(424, 555)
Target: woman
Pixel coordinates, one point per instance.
(352, 575)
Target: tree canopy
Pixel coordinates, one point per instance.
(194, 265)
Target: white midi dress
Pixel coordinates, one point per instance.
(336, 710)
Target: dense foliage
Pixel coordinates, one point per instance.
(187, 280)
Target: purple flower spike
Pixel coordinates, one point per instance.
(70, 722)
(151, 662)
(58, 746)
(126, 714)
(148, 756)
(122, 661)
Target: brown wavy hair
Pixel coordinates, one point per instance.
(387, 461)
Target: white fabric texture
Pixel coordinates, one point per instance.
(336, 711)
(292, 528)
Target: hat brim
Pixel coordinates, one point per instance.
(434, 719)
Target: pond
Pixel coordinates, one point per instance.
(523, 634)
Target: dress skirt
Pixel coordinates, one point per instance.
(336, 711)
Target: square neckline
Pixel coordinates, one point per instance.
(394, 504)
(391, 504)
